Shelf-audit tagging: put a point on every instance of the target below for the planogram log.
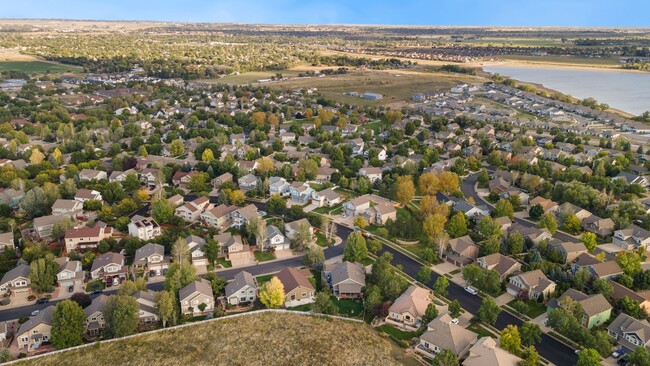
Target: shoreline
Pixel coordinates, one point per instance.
(559, 66)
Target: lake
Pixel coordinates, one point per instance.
(627, 91)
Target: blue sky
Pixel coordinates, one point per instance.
(416, 12)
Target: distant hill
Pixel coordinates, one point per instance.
(257, 339)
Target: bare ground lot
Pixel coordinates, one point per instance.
(260, 339)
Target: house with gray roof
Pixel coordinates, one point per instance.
(196, 298)
(442, 334)
(35, 331)
(247, 182)
(16, 280)
(151, 259)
(275, 239)
(95, 320)
(242, 290)
(630, 333)
(595, 308)
(346, 280)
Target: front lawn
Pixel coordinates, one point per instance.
(95, 285)
(224, 263)
(263, 256)
(367, 261)
(478, 329)
(396, 333)
(264, 279)
(336, 211)
(535, 309)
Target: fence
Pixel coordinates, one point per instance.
(186, 325)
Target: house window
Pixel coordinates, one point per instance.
(304, 294)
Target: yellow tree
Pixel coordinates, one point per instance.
(264, 165)
(273, 119)
(272, 293)
(405, 189)
(259, 118)
(36, 157)
(309, 113)
(429, 184)
(207, 155)
(142, 195)
(57, 155)
(448, 182)
(176, 147)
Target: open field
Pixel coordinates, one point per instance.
(396, 85)
(257, 339)
(37, 67)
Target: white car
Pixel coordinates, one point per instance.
(471, 290)
(35, 312)
(454, 321)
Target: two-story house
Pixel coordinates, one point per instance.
(325, 198)
(95, 320)
(242, 290)
(275, 240)
(408, 309)
(110, 268)
(219, 216)
(16, 280)
(297, 288)
(503, 265)
(196, 298)
(87, 237)
(191, 211)
(35, 331)
(630, 333)
(595, 308)
(144, 228)
(532, 284)
(69, 274)
(151, 259)
(300, 192)
(632, 237)
(346, 280)
(242, 215)
(442, 333)
(279, 186)
(196, 244)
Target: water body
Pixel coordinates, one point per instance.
(626, 91)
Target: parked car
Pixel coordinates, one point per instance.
(454, 321)
(622, 361)
(35, 312)
(618, 353)
(43, 300)
(116, 281)
(471, 290)
(96, 292)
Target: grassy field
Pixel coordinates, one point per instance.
(37, 67)
(259, 339)
(263, 256)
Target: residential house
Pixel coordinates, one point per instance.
(196, 245)
(547, 205)
(84, 195)
(297, 288)
(69, 273)
(325, 198)
(462, 251)
(109, 267)
(66, 207)
(471, 211)
(503, 265)
(532, 284)
(630, 333)
(247, 182)
(632, 238)
(148, 312)
(486, 352)
(87, 237)
(220, 180)
(608, 270)
(151, 259)
(242, 290)
(532, 234)
(442, 333)
(275, 240)
(595, 308)
(631, 178)
(300, 192)
(16, 280)
(242, 216)
(290, 228)
(357, 206)
(35, 331)
(346, 280)
(182, 179)
(324, 173)
(219, 216)
(379, 214)
(144, 228)
(408, 309)
(7, 242)
(569, 250)
(234, 249)
(191, 211)
(90, 174)
(372, 173)
(196, 298)
(279, 186)
(176, 200)
(95, 320)
(599, 226)
(620, 291)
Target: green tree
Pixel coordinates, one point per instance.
(536, 211)
(504, 208)
(356, 248)
(314, 257)
(166, 310)
(440, 286)
(510, 339)
(603, 287)
(588, 357)
(549, 222)
(360, 222)
(272, 293)
(531, 357)
(323, 304)
(639, 357)
(488, 311)
(630, 263)
(121, 314)
(446, 357)
(571, 224)
(5, 356)
(68, 324)
(487, 228)
(276, 205)
(457, 225)
(515, 243)
(530, 334)
(454, 308)
(198, 183)
(429, 314)
(130, 287)
(176, 147)
(424, 275)
(113, 192)
(42, 274)
(589, 240)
